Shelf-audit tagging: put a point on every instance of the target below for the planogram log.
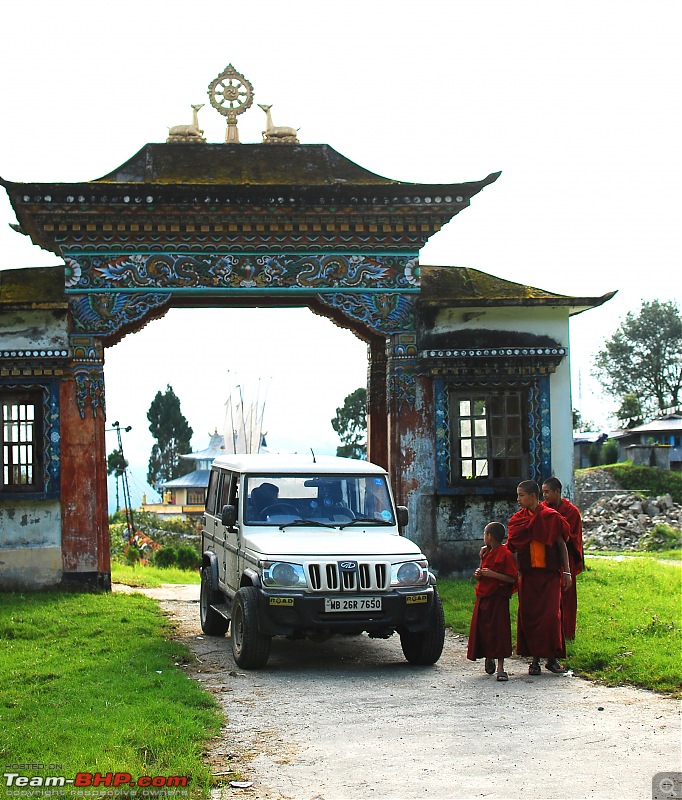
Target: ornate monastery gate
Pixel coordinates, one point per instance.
(236, 225)
(468, 380)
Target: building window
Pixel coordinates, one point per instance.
(490, 436)
(21, 443)
(195, 497)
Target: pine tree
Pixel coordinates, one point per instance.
(350, 423)
(173, 435)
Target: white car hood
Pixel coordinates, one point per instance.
(325, 542)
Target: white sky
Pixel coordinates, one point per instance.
(578, 103)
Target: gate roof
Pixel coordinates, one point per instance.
(250, 196)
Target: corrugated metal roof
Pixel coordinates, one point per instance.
(197, 479)
(673, 422)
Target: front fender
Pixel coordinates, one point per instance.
(250, 578)
(210, 560)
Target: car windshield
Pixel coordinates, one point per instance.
(330, 499)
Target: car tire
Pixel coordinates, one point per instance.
(212, 623)
(425, 647)
(250, 648)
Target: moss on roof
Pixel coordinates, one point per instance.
(462, 286)
(465, 283)
(33, 286)
(242, 164)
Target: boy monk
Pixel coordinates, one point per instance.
(551, 492)
(490, 630)
(539, 534)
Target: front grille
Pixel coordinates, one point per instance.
(367, 577)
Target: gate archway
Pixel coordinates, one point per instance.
(183, 224)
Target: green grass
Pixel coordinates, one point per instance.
(150, 577)
(629, 621)
(91, 682)
(655, 555)
(653, 480)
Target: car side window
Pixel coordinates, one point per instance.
(212, 494)
(226, 493)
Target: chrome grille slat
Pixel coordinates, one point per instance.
(370, 576)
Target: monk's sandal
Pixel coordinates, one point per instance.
(555, 667)
(534, 669)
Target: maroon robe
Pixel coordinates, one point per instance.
(490, 629)
(539, 630)
(569, 597)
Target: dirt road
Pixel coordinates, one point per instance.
(351, 719)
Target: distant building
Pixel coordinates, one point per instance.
(185, 497)
(583, 443)
(657, 443)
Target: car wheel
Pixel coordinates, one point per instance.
(249, 647)
(425, 647)
(212, 623)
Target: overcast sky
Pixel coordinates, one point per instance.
(576, 102)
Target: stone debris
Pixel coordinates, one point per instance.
(620, 521)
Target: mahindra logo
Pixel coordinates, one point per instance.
(348, 565)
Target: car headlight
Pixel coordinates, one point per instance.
(280, 573)
(410, 573)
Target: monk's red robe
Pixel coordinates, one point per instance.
(569, 597)
(490, 629)
(539, 631)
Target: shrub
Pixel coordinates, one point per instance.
(594, 455)
(188, 558)
(166, 557)
(654, 480)
(661, 537)
(133, 554)
(609, 452)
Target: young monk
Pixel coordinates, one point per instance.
(490, 630)
(539, 534)
(551, 492)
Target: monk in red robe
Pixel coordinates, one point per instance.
(490, 630)
(551, 492)
(538, 535)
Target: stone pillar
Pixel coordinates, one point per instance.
(377, 412)
(85, 525)
(411, 450)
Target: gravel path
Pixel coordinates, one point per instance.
(350, 719)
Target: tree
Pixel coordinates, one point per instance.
(116, 465)
(644, 357)
(173, 435)
(350, 423)
(580, 424)
(630, 411)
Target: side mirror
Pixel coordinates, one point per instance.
(228, 516)
(403, 517)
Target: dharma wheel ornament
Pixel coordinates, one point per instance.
(230, 94)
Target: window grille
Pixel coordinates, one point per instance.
(20, 443)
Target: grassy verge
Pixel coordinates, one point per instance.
(629, 622)
(652, 555)
(150, 576)
(91, 683)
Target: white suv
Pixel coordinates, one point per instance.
(302, 546)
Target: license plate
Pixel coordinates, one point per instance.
(349, 604)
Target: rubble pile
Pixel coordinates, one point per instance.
(624, 521)
(592, 485)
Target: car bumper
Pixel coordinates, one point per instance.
(299, 613)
